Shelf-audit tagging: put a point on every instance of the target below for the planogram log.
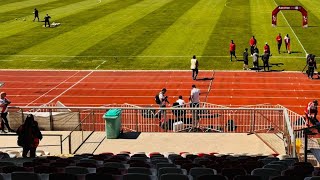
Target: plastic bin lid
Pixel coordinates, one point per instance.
(112, 112)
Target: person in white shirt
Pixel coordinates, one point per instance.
(195, 100)
(4, 102)
(180, 101)
(287, 43)
(194, 67)
(163, 103)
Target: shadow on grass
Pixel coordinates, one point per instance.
(129, 135)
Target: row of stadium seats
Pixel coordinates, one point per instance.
(155, 166)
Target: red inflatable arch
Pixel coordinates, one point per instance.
(298, 8)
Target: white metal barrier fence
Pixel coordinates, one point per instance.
(204, 118)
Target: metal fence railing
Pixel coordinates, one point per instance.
(206, 117)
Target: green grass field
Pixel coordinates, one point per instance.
(150, 34)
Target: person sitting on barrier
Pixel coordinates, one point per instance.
(29, 136)
(181, 104)
(311, 112)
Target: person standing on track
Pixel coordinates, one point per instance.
(36, 14)
(163, 103)
(195, 103)
(279, 42)
(252, 43)
(232, 48)
(194, 67)
(4, 103)
(287, 43)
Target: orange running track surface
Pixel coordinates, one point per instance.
(97, 88)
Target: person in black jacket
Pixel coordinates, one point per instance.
(36, 14)
(46, 20)
(29, 136)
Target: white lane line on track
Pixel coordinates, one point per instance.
(50, 90)
(291, 28)
(202, 83)
(103, 89)
(233, 97)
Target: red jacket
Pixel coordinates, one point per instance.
(232, 47)
(266, 49)
(253, 42)
(279, 39)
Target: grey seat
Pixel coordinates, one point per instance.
(141, 170)
(76, 170)
(312, 178)
(268, 160)
(161, 165)
(265, 173)
(1, 177)
(25, 176)
(175, 177)
(289, 162)
(281, 163)
(171, 170)
(213, 177)
(279, 167)
(136, 176)
(247, 177)
(115, 165)
(195, 172)
(88, 161)
(6, 163)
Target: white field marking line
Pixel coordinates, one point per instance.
(100, 65)
(160, 56)
(174, 77)
(291, 29)
(202, 83)
(102, 89)
(51, 89)
(6, 60)
(69, 88)
(39, 60)
(233, 97)
(141, 70)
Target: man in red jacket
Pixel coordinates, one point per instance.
(253, 43)
(266, 48)
(279, 42)
(232, 50)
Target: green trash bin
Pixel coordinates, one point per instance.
(113, 123)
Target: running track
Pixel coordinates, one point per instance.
(96, 88)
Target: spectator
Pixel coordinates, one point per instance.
(180, 101)
(4, 102)
(46, 20)
(255, 60)
(232, 49)
(287, 43)
(36, 14)
(29, 136)
(245, 59)
(195, 100)
(279, 42)
(163, 103)
(311, 112)
(194, 67)
(253, 43)
(311, 62)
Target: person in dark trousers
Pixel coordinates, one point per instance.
(29, 136)
(4, 103)
(266, 48)
(194, 67)
(46, 20)
(252, 43)
(311, 112)
(279, 42)
(311, 66)
(232, 49)
(245, 59)
(36, 14)
(265, 59)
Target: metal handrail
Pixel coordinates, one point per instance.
(60, 137)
